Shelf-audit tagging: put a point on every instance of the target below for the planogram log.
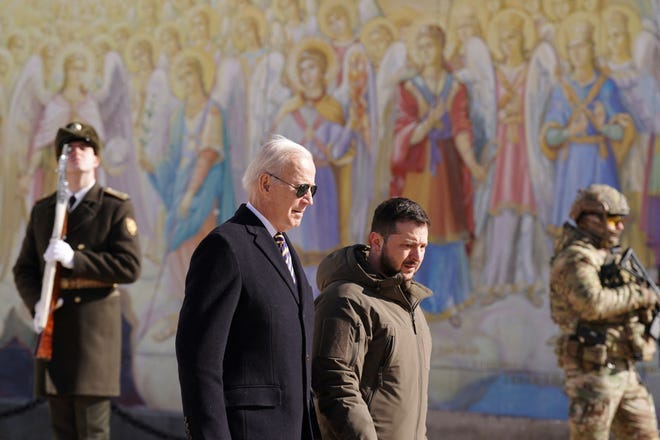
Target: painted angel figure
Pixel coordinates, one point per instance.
(387, 53)
(243, 85)
(466, 23)
(586, 129)
(291, 20)
(193, 180)
(315, 119)
(151, 106)
(631, 59)
(355, 89)
(510, 254)
(432, 163)
(37, 114)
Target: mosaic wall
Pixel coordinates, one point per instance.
(485, 85)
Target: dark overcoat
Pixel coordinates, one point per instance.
(244, 337)
(87, 331)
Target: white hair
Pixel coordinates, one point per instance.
(273, 157)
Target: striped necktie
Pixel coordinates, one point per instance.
(284, 249)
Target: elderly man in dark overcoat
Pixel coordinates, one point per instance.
(244, 336)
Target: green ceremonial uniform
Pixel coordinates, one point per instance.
(87, 332)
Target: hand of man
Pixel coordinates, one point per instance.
(39, 312)
(648, 297)
(59, 250)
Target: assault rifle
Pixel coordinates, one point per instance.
(631, 264)
(50, 284)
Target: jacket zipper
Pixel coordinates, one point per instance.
(420, 360)
(387, 356)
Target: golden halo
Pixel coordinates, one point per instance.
(415, 28)
(311, 44)
(327, 6)
(185, 56)
(371, 26)
(208, 12)
(500, 20)
(135, 40)
(402, 16)
(549, 12)
(254, 14)
(634, 22)
(167, 28)
(70, 50)
(561, 39)
(7, 60)
(280, 13)
(378, 22)
(471, 10)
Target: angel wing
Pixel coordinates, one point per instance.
(357, 93)
(159, 104)
(390, 71)
(230, 92)
(119, 156)
(266, 96)
(647, 60)
(27, 104)
(24, 134)
(478, 75)
(25, 107)
(541, 77)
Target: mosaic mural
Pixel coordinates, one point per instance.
(511, 95)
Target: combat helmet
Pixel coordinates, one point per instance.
(600, 201)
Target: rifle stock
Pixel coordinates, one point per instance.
(50, 284)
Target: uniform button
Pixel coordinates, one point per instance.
(77, 299)
(81, 247)
(307, 357)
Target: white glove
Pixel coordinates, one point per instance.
(59, 250)
(39, 311)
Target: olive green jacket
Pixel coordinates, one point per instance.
(371, 352)
(87, 331)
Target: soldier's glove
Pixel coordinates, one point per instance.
(59, 250)
(39, 312)
(647, 297)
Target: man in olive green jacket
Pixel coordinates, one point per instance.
(100, 250)
(372, 345)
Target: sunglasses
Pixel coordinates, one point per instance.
(301, 189)
(614, 220)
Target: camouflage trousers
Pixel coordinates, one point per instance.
(611, 398)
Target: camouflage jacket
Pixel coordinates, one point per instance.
(580, 294)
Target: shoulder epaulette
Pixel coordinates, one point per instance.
(116, 193)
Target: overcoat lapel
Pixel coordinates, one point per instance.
(266, 244)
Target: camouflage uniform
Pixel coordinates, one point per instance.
(602, 315)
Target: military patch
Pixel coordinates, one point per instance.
(131, 226)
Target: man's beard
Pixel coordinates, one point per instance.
(387, 267)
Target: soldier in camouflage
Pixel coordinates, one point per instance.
(603, 315)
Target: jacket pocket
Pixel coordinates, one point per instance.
(267, 396)
(384, 363)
